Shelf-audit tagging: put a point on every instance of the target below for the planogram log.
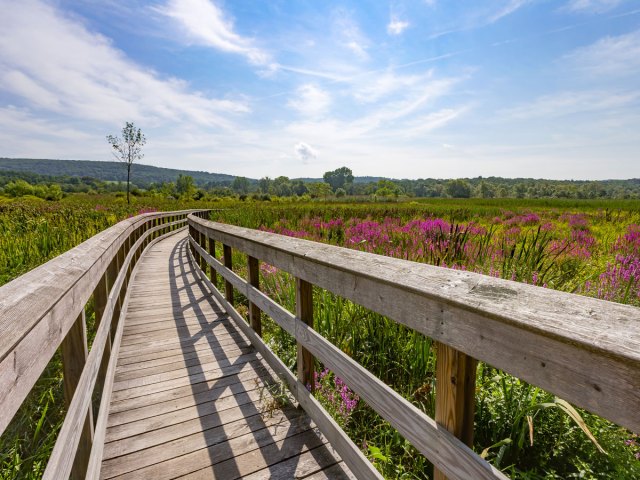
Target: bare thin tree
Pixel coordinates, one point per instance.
(128, 148)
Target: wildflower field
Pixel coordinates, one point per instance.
(586, 247)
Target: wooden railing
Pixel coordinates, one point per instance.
(44, 310)
(585, 350)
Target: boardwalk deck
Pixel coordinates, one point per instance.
(192, 398)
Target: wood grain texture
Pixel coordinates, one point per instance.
(304, 312)
(62, 457)
(228, 263)
(584, 350)
(38, 309)
(205, 407)
(253, 272)
(455, 394)
(350, 453)
(74, 352)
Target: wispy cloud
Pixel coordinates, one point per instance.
(396, 25)
(310, 100)
(94, 82)
(510, 7)
(349, 34)
(592, 6)
(206, 24)
(610, 56)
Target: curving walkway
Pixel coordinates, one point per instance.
(192, 398)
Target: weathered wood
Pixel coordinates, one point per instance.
(62, 458)
(212, 251)
(95, 459)
(228, 263)
(584, 350)
(304, 312)
(253, 271)
(349, 452)
(455, 394)
(444, 450)
(74, 352)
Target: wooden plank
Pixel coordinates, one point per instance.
(302, 466)
(253, 271)
(95, 460)
(334, 472)
(74, 352)
(228, 263)
(349, 452)
(62, 456)
(304, 312)
(455, 395)
(202, 439)
(232, 449)
(250, 371)
(582, 349)
(207, 375)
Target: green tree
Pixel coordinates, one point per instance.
(185, 186)
(458, 188)
(240, 185)
(128, 148)
(338, 178)
(319, 189)
(264, 184)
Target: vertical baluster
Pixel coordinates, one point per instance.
(201, 242)
(74, 352)
(455, 394)
(212, 271)
(254, 279)
(304, 312)
(228, 262)
(100, 298)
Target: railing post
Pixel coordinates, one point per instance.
(201, 242)
(74, 352)
(254, 280)
(304, 312)
(228, 262)
(455, 394)
(100, 298)
(212, 271)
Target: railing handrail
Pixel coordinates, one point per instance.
(43, 310)
(585, 350)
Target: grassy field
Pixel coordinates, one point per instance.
(587, 247)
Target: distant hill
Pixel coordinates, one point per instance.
(142, 175)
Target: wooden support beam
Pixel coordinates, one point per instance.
(254, 280)
(228, 262)
(304, 311)
(100, 298)
(202, 242)
(455, 394)
(212, 271)
(74, 352)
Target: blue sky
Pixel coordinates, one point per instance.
(403, 89)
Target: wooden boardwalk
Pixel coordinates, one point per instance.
(192, 398)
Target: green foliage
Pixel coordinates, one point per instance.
(338, 178)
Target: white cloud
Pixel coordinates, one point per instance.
(206, 24)
(592, 6)
(310, 100)
(349, 35)
(54, 64)
(305, 152)
(396, 26)
(510, 7)
(609, 56)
